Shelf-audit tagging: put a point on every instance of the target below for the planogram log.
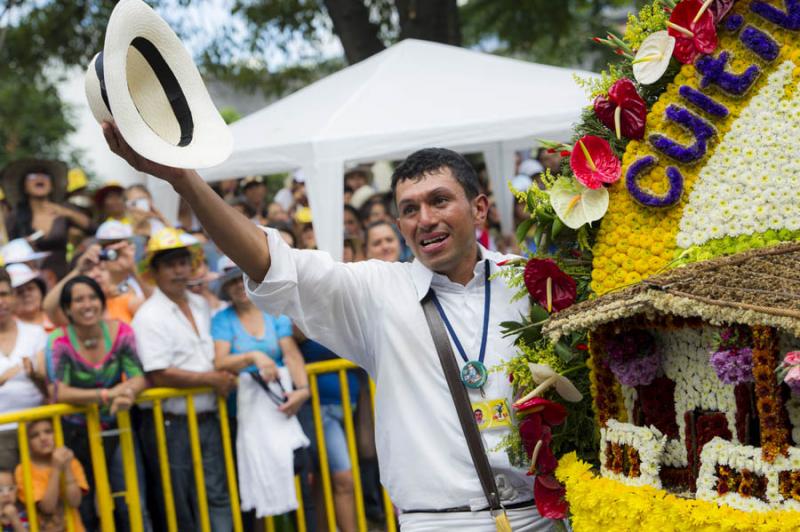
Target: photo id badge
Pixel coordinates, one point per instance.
(492, 414)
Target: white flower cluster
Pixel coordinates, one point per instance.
(648, 441)
(749, 184)
(740, 458)
(686, 362)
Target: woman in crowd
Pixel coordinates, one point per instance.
(94, 361)
(382, 242)
(30, 290)
(119, 305)
(145, 218)
(273, 385)
(38, 188)
(20, 343)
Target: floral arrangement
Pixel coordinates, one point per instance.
(633, 357)
(732, 357)
(789, 371)
(738, 476)
(631, 454)
(598, 503)
(664, 169)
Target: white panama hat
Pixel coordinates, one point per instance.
(146, 82)
(22, 274)
(20, 250)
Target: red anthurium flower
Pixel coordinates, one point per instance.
(548, 285)
(532, 430)
(622, 110)
(553, 413)
(550, 497)
(593, 162)
(692, 25)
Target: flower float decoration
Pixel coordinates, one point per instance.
(789, 371)
(538, 417)
(692, 26)
(548, 285)
(633, 357)
(652, 59)
(593, 162)
(577, 205)
(622, 110)
(732, 359)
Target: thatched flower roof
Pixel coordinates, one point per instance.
(758, 287)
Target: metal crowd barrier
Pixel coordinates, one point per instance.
(102, 489)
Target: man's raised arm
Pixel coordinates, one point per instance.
(239, 238)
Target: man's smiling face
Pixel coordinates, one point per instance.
(438, 221)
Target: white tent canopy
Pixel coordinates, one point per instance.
(412, 95)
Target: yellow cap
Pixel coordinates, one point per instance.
(76, 180)
(166, 239)
(303, 215)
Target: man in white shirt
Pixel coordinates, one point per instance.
(370, 312)
(173, 339)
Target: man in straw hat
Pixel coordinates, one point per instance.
(371, 313)
(173, 338)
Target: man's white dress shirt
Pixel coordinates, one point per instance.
(370, 313)
(165, 338)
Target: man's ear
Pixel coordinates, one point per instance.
(480, 209)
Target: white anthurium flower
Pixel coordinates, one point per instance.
(576, 204)
(652, 58)
(545, 376)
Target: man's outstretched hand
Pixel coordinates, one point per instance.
(118, 145)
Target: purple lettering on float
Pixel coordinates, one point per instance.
(759, 43)
(789, 19)
(700, 129)
(712, 71)
(703, 102)
(648, 199)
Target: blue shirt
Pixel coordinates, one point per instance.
(330, 392)
(227, 327)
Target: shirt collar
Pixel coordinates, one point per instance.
(423, 276)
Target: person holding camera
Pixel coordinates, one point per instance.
(121, 304)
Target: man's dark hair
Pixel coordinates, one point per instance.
(167, 255)
(5, 277)
(426, 161)
(65, 299)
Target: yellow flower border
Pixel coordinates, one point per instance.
(635, 242)
(603, 504)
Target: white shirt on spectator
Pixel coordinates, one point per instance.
(370, 312)
(166, 339)
(19, 392)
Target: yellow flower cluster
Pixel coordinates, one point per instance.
(597, 503)
(635, 242)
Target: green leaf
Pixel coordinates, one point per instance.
(565, 352)
(524, 227)
(558, 225)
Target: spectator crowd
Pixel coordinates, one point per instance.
(101, 297)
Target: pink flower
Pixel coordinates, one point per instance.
(792, 358)
(793, 377)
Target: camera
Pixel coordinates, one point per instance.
(108, 254)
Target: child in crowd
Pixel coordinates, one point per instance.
(48, 465)
(12, 516)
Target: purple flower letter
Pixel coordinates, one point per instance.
(713, 71)
(789, 19)
(703, 102)
(701, 130)
(759, 43)
(649, 199)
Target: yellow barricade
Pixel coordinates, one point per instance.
(155, 396)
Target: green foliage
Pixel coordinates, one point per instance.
(556, 33)
(651, 18)
(230, 114)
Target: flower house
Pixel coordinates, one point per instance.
(684, 378)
